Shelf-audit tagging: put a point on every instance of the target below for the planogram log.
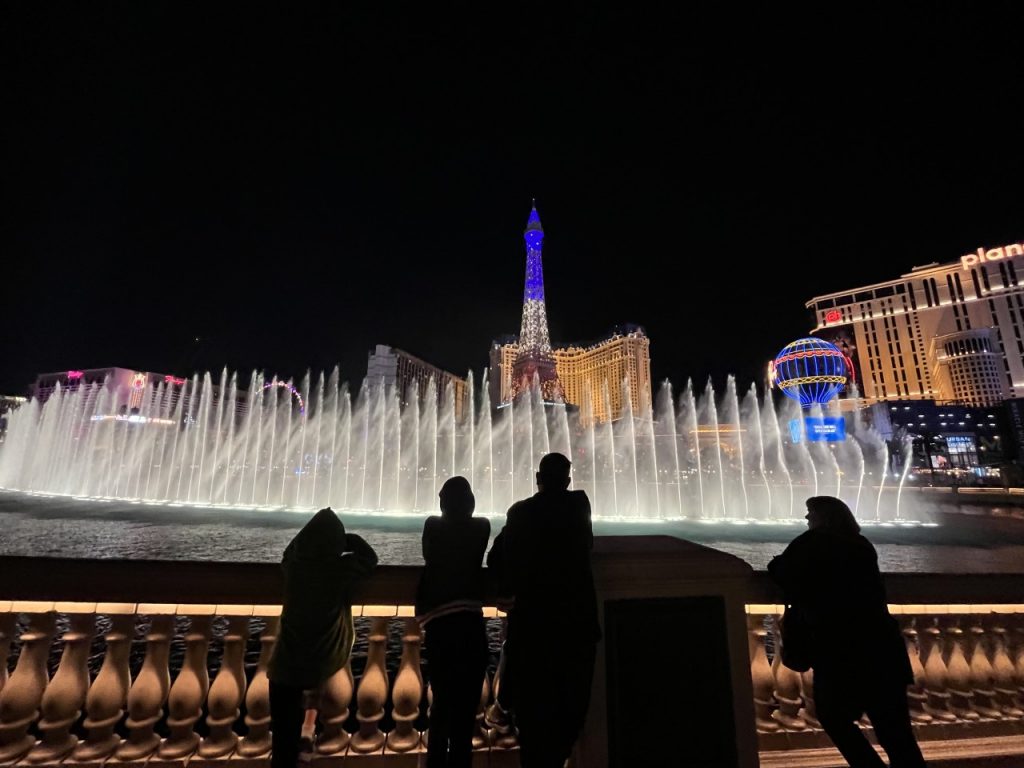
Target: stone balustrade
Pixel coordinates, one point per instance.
(173, 678)
(968, 665)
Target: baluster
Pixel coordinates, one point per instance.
(334, 703)
(373, 691)
(8, 619)
(228, 689)
(501, 734)
(810, 711)
(188, 692)
(982, 674)
(917, 697)
(958, 671)
(1002, 668)
(105, 703)
(761, 673)
(407, 692)
(65, 695)
(425, 736)
(935, 674)
(480, 730)
(148, 693)
(786, 688)
(1018, 658)
(23, 693)
(257, 700)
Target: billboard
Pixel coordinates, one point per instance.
(817, 429)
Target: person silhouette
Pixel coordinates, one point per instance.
(449, 606)
(321, 565)
(542, 560)
(831, 573)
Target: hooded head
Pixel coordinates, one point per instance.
(322, 536)
(827, 513)
(457, 500)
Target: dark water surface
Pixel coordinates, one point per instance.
(968, 539)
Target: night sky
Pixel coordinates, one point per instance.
(290, 188)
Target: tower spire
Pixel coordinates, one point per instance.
(534, 357)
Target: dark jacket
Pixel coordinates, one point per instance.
(321, 565)
(542, 558)
(835, 579)
(453, 555)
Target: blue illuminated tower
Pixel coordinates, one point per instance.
(534, 358)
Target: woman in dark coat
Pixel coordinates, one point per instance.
(860, 662)
(449, 605)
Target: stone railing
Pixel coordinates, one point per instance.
(134, 661)
(968, 664)
(52, 709)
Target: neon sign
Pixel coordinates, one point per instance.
(992, 254)
(833, 316)
(73, 375)
(174, 380)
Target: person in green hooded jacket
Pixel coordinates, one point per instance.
(321, 566)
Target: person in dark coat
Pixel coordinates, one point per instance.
(321, 565)
(449, 606)
(858, 656)
(542, 559)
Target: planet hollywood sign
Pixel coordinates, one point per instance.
(992, 254)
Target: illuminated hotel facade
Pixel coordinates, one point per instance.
(950, 332)
(397, 368)
(594, 377)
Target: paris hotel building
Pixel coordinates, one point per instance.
(594, 377)
(946, 332)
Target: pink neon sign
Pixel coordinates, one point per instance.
(174, 380)
(75, 374)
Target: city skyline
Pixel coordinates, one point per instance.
(289, 210)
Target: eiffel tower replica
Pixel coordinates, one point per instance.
(534, 363)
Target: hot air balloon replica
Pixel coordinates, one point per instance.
(812, 371)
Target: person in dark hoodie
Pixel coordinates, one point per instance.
(321, 565)
(831, 573)
(449, 606)
(542, 560)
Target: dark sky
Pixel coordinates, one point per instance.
(292, 187)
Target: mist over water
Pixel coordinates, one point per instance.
(697, 455)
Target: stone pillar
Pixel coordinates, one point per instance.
(958, 671)
(23, 692)
(373, 691)
(148, 693)
(786, 686)
(65, 695)
(501, 734)
(228, 689)
(334, 711)
(810, 711)
(760, 670)
(1002, 668)
(935, 674)
(105, 702)
(917, 697)
(188, 692)
(480, 729)
(8, 619)
(982, 675)
(407, 692)
(257, 700)
(693, 597)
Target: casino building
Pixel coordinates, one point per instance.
(950, 332)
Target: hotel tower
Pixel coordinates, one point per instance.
(945, 332)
